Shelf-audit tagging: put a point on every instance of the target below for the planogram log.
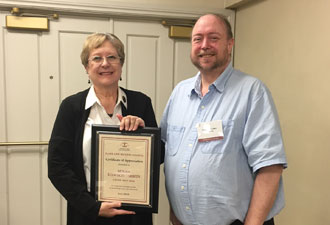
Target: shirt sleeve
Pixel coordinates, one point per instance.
(163, 123)
(262, 138)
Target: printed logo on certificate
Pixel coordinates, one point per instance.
(125, 167)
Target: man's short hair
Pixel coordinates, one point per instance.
(225, 21)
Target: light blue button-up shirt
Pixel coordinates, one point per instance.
(211, 182)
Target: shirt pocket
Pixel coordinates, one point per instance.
(218, 146)
(173, 139)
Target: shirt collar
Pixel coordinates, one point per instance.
(92, 98)
(122, 97)
(219, 83)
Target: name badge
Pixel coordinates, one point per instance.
(209, 131)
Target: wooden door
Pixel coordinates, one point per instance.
(38, 70)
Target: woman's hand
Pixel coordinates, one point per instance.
(108, 209)
(130, 123)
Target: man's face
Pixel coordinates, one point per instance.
(211, 48)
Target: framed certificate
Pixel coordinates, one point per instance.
(125, 167)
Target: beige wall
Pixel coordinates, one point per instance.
(287, 45)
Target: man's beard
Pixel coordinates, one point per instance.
(206, 68)
(218, 63)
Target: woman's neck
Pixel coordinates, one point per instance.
(108, 98)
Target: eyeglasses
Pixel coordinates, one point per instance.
(111, 59)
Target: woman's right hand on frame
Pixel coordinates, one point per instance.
(130, 123)
(109, 209)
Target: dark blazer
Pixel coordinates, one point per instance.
(65, 158)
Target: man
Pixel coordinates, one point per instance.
(224, 153)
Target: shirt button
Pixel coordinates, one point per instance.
(184, 165)
(203, 107)
(182, 187)
(187, 208)
(190, 145)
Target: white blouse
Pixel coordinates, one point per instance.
(98, 115)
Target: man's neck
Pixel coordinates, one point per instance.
(208, 77)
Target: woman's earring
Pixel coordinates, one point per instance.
(121, 78)
(89, 81)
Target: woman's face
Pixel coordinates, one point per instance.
(104, 66)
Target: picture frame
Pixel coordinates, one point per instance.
(125, 166)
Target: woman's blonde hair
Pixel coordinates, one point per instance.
(95, 40)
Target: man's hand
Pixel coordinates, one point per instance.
(173, 219)
(109, 209)
(264, 194)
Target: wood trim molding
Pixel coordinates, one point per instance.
(106, 8)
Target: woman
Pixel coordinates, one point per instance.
(70, 143)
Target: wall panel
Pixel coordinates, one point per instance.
(21, 55)
(142, 50)
(182, 57)
(24, 186)
(73, 77)
(153, 56)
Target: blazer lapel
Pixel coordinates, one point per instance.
(123, 109)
